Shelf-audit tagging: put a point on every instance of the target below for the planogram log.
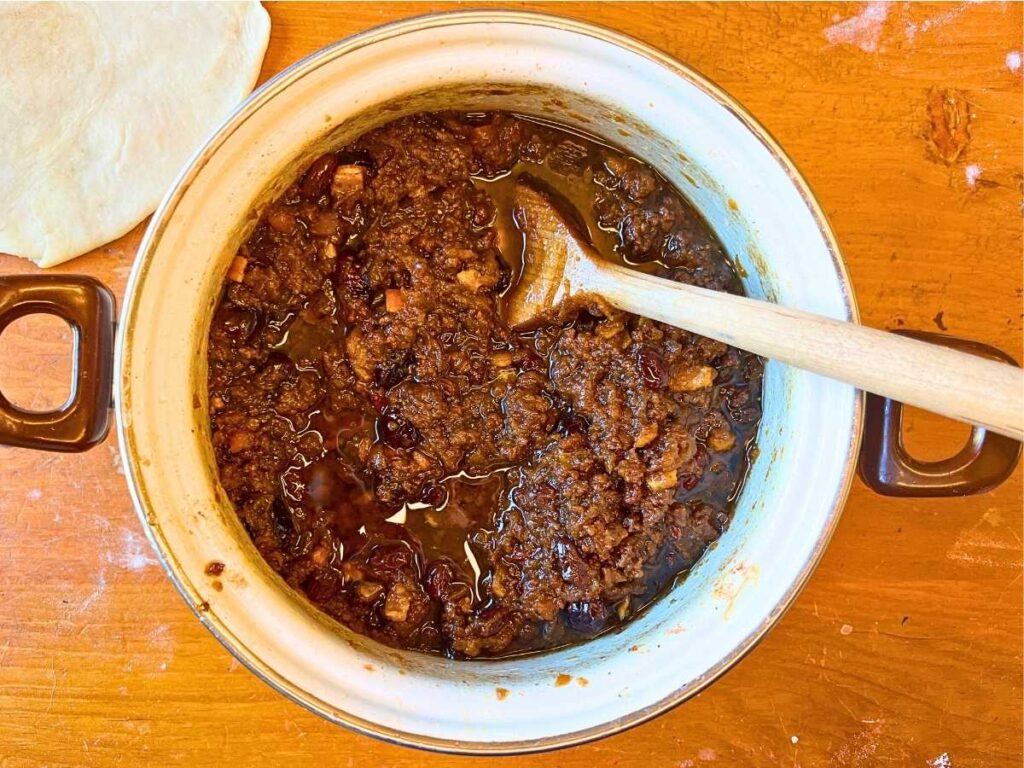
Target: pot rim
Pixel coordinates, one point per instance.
(167, 209)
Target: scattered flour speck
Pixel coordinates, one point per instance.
(942, 761)
(972, 173)
(846, 629)
(706, 755)
(135, 553)
(1013, 61)
(863, 30)
(35, 494)
(96, 594)
(161, 644)
(115, 459)
(794, 739)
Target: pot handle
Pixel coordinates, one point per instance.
(888, 469)
(88, 307)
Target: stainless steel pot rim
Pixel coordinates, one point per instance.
(122, 397)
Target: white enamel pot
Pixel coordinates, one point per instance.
(613, 87)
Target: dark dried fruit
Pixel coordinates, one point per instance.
(387, 375)
(570, 423)
(388, 558)
(435, 495)
(438, 578)
(689, 481)
(588, 617)
(284, 526)
(396, 431)
(652, 368)
(317, 179)
(322, 585)
(237, 324)
(492, 621)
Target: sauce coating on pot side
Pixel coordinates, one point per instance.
(423, 473)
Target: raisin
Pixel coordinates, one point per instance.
(652, 368)
(321, 585)
(571, 424)
(282, 517)
(237, 324)
(588, 617)
(395, 431)
(317, 179)
(387, 375)
(689, 482)
(435, 495)
(438, 578)
(492, 621)
(388, 558)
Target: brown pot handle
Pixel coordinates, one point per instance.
(983, 463)
(88, 307)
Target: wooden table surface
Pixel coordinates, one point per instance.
(905, 649)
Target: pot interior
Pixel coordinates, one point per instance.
(609, 87)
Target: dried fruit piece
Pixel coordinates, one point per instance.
(469, 278)
(692, 379)
(721, 439)
(236, 272)
(347, 182)
(393, 300)
(662, 481)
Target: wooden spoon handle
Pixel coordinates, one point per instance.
(951, 383)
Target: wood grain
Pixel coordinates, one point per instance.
(905, 647)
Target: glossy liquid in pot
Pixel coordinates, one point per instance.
(300, 434)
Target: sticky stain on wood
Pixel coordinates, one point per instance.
(949, 124)
(562, 679)
(501, 693)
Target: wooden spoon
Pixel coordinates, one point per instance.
(559, 263)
